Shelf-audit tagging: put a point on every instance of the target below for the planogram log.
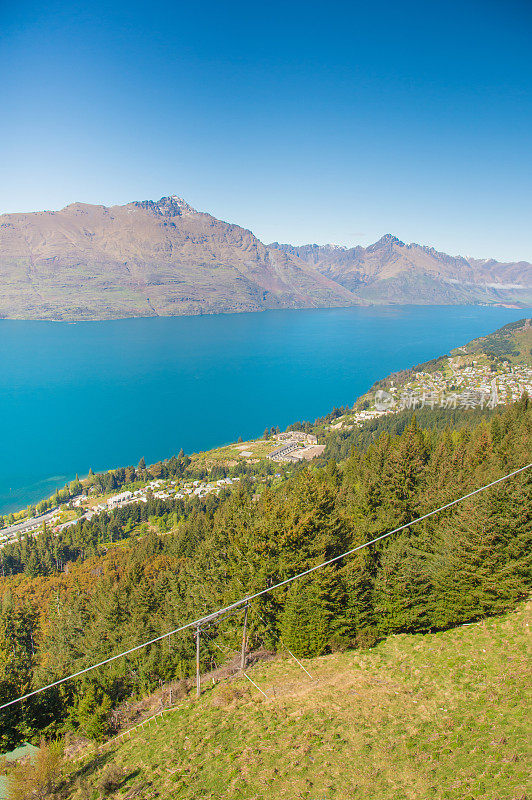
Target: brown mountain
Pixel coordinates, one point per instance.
(165, 258)
(391, 271)
(146, 259)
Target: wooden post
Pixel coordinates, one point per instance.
(244, 639)
(198, 677)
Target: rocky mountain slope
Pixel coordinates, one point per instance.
(146, 259)
(165, 258)
(391, 271)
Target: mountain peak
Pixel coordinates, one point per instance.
(172, 206)
(388, 240)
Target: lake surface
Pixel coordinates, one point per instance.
(103, 394)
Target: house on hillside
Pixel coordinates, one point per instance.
(119, 498)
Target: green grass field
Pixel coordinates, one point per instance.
(251, 450)
(419, 716)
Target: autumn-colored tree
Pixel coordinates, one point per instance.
(38, 777)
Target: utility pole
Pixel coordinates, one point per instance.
(244, 639)
(198, 676)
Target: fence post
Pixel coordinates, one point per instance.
(198, 676)
(244, 639)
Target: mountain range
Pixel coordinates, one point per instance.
(165, 258)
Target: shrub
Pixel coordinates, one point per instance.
(111, 779)
(366, 638)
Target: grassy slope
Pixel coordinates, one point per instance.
(513, 342)
(434, 716)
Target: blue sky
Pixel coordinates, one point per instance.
(304, 121)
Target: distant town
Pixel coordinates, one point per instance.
(289, 447)
(91, 506)
(455, 386)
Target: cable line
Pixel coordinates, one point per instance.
(248, 598)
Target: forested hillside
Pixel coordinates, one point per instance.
(109, 583)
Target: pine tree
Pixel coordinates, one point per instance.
(482, 555)
(402, 585)
(92, 714)
(403, 473)
(305, 623)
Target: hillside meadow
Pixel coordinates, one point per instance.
(440, 715)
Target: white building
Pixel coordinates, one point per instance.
(116, 499)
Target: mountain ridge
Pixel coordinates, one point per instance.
(165, 258)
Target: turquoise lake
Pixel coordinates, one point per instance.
(103, 394)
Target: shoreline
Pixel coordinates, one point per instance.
(27, 497)
(363, 304)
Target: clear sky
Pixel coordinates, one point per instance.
(304, 121)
